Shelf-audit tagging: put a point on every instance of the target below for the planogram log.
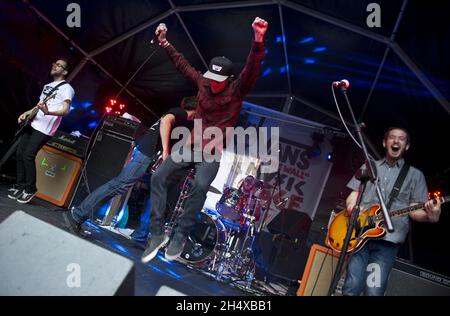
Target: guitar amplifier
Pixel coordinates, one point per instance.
(123, 127)
(319, 273)
(73, 145)
(57, 174)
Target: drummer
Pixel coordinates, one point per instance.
(251, 189)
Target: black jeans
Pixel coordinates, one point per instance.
(205, 172)
(30, 143)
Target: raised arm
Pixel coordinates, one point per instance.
(250, 73)
(181, 64)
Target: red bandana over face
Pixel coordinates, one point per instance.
(217, 87)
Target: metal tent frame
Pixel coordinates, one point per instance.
(390, 43)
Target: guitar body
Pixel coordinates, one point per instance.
(365, 228)
(26, 122)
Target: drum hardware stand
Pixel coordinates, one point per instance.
(179, 207)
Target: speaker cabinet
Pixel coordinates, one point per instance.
(410, 280)
(56, 175)
(40, 259)
(319, 272)
(279, 257)
(107, 157)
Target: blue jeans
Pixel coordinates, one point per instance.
(132, 172)
(368, 269)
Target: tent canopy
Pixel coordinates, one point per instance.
(399, 72)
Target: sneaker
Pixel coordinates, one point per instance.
(176, 247)
(26, 197)
(154, 244)
(14, 193)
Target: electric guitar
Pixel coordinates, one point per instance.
(368, 226)
(30, 117)
(27, 121)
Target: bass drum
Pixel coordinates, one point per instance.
(207, 237)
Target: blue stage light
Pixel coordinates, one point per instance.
(280, 39)
(319, 49)
(267, 72)
(86, 104)
(307, 40)
(309, 61)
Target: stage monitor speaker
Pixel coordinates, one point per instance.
(107, 157)
(56, 175)
(410, 280)
(319, 272)
(40, 259)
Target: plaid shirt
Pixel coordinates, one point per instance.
(222, 109)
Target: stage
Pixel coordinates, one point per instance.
(156, 278)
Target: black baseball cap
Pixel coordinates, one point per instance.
(219, 69)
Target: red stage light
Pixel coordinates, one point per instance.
(434, 195)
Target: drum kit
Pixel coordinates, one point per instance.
(221, 241)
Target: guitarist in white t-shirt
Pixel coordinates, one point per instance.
(39, 125)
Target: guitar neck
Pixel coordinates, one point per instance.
(413, 208)
(34, 111)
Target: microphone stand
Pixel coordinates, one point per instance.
(371, 176)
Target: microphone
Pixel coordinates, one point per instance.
(155, 36)
(343, 83)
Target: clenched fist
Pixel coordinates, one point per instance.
(259, 27)
(161, 31)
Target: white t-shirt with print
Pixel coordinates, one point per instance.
(48, 124)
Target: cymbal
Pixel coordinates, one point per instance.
(214, 190)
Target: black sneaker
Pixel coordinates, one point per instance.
(176, 247)
(26, 197)
(153, 245)
(14, 193)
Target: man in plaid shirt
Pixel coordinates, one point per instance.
(219, 104)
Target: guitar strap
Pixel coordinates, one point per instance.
(398, 185)
(55, 88)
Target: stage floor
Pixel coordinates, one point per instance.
(158, 277)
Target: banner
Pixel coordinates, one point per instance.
(304, 163)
